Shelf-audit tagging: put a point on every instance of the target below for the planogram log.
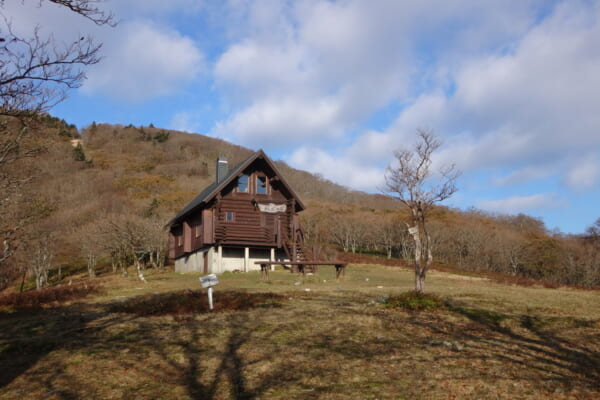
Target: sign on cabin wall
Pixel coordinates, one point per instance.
(272, 208)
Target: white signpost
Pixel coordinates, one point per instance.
(209, 281)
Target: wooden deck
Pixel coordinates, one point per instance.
(340, 268)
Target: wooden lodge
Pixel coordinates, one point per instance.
(248, 215)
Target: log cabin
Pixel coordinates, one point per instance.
(249, 214)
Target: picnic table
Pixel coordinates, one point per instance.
(340, 268)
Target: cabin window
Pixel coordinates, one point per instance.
(179, 240)
(261, 185)
(198, 230)
(243, 184)
(229, 216)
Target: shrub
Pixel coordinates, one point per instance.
(195, 301)
(162, 136)
(78, 153)
(52, 295)
(414, 301)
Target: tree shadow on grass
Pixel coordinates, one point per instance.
(212, 353)
(207, 372)
(486, 346)
(27, 336)
(534, 342)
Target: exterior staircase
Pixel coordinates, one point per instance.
(295, 251)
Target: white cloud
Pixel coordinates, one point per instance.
(280, 122)
(585, 174)
(340, 169)
(346, 60)
(521, 109)
(317, 55)
(185, 121)
(155, 7)
(253, 69)
(144, 61)
(526, 174)
(517, 204)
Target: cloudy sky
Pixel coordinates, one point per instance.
(333, 87)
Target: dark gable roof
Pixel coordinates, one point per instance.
(213, 189)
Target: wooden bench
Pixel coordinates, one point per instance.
(340, 268)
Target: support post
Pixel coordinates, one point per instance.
(246, 258)
(220, 258)
(210, 300)
(272, 258)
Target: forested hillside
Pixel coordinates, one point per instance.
(100, 196)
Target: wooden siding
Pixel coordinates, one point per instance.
(176, 241)
(208, 232)
(187, 236)
(250, 227)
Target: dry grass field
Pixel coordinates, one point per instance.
(311, 338)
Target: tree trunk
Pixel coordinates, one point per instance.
(138, 266)
(419, 275)
(124, 266)
(420, 280)
(23, 281)
(160, 259)
(91, 265)
(39, 281)
(423, 253)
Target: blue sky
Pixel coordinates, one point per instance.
(333, 87)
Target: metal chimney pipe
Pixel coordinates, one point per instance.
(222, 169)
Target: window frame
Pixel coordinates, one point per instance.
(247, 183)
(265, 184)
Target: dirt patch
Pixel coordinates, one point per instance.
(450, 275)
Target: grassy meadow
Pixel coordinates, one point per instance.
(309, 338)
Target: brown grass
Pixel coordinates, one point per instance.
(48, 296)
(336, 341)
(194, 302)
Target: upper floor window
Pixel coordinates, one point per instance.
(243, 184)
(229, 216)
(261, 185)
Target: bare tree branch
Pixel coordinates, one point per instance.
(89, 10)
(35, 73)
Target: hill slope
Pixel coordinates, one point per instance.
(126, 180)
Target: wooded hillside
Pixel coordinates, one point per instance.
(100, 198)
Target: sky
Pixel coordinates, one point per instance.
(511, 87)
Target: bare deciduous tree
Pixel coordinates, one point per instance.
(411, 181)
(592, 233)
(133, 240)
(41, 260)
(36, 71)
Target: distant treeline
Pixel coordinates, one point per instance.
(515, 245)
